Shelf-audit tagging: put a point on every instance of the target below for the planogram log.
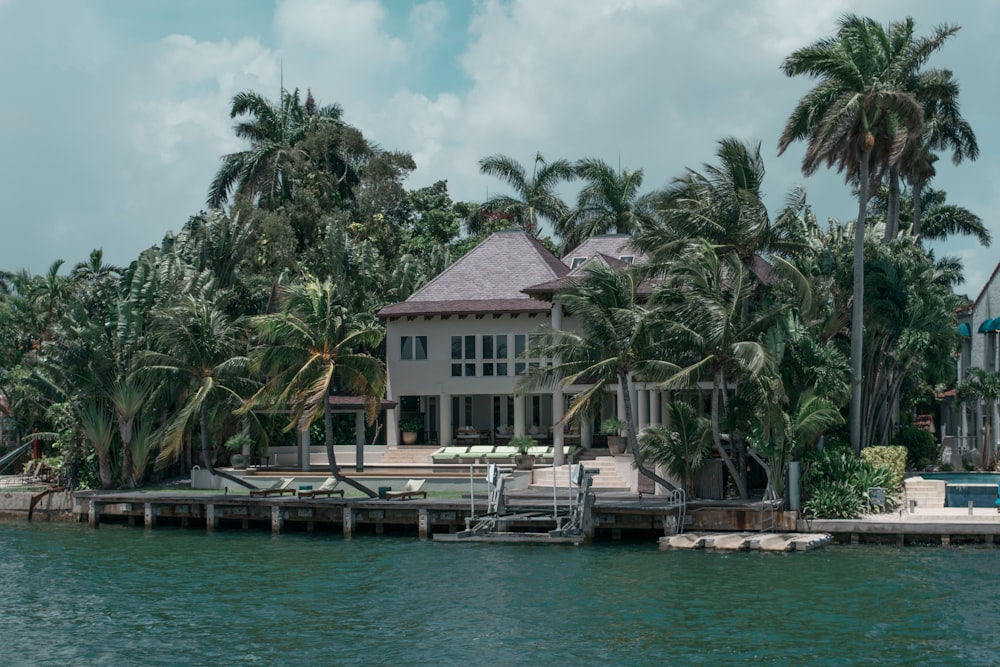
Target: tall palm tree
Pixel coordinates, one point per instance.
(312, 349)
(609, 202)
(857, 105)
(620, 342)
(278, 151)
(534, 196)
(702, 300)
(198, 355)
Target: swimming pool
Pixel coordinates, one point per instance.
(962, 487)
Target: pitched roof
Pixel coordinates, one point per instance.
(489, 278)
(614, 245)
(547, 289)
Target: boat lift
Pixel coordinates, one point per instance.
(569, 518)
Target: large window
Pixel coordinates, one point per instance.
(463, 348)
(494, 352)
(412, 347)
(521, 344)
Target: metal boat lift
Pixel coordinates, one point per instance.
(568, 518)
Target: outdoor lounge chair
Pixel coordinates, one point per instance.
(411, 490)
(449, 454)
(327, 488)
(476, 453)
(502, 452)
(279, 488)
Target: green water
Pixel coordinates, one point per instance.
(124, 596)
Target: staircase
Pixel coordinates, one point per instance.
(929, 493)
(408, 455)
(607, 480)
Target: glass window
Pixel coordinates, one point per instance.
(470, 347)
(456, 347)
(420, 347)
(502, 346)
(519, 368)
(520, 341)
(577, 261)
(487, 370)
(456, 370)
(406, 347)
(501, 369)
(627, 258)
(487, 347)
(470, 370)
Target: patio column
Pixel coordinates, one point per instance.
(519, 415)
(444, 420)
(586, 431)
(642, 407)
(558, 399)
(391, 420)
(655, 411)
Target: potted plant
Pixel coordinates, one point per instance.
(241, 445)
(409, 428)
(523, 443)
(613, 427)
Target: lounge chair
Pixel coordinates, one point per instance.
(502, 452)
(476, 453)
(279, 488)
(327, 488)
(412, 489)
(449, 454)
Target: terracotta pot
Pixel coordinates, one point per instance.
(409, 437)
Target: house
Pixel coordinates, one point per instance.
(455, 348)
(964, 424)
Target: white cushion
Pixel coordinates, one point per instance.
(533, 430)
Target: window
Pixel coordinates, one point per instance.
(494, 347)
(412, 347)
(577, 261)
(522, 342)
(627, 258)
(463, 348)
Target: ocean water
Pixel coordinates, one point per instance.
(70, 595)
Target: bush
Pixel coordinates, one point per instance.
(836, 483)
(921, 446)
(891, 458)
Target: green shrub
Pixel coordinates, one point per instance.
(921, 446)
(836, 483)
(891, 458)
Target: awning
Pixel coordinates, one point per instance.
(986, 327)
(965, 330)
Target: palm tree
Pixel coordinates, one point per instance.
(723, 204)
(609, 202)
(682, 446)
(535, 196)
(983, 386)
(620, 342)
(197, 355)
(278, 150)
(311, 349)
(702, 299)
(857, 106)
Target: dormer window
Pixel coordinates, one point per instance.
(628, 259)
(577, 261)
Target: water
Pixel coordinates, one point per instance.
(124, 596)
(964, 477)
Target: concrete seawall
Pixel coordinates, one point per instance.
(53, 507)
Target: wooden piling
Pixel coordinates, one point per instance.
(148, 516)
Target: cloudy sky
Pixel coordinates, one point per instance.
(116, 112)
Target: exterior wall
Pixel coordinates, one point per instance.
(432, 376)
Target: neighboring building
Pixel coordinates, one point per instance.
(454, 349)
(963, 425)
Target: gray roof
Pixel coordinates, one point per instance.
(489, 278)
(613, 245)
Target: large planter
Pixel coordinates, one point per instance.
(524, 462)
(238, 461)
(616, 444)
(409, 437)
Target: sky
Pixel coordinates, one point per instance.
(116, 112)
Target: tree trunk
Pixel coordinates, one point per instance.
(918, 189)
(858, 310)
(125, 432)
(717, 388)
(331, 455)
(892, 213)
(633, 438)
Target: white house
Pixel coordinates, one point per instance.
(455, 348)
(963, 425)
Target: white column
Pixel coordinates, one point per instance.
(586, 432)
(655, 410)
(391, 420)
(444, 420)
(642, 407)
(359, 441)
(519, 415)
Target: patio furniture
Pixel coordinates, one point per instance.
(449, 454)
(413, 488)
(327, 488)
(279, 488)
